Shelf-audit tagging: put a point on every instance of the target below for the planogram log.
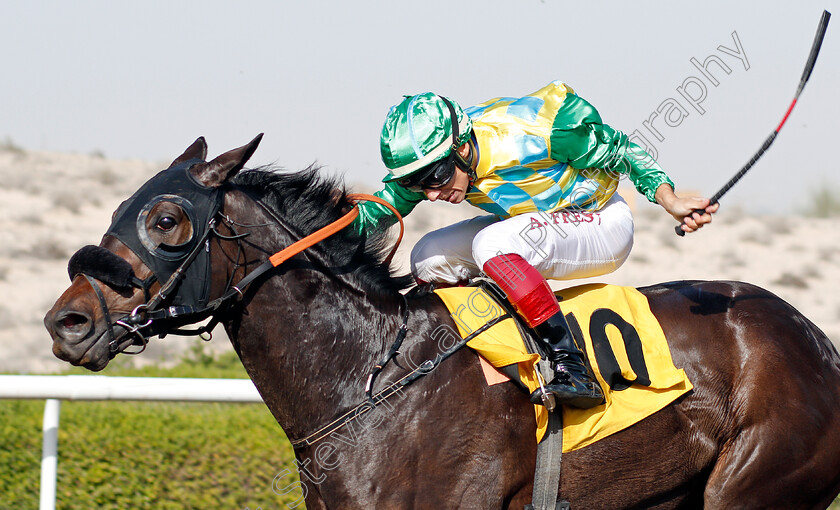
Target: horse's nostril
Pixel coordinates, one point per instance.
(72, 320)
(72, 323)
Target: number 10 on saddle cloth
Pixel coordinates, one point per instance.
(623, 341)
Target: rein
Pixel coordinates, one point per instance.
(312, 239)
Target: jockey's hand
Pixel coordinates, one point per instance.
(683, 208)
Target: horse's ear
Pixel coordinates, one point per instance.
(198, 150)
(215, 173)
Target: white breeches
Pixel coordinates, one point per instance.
(561, 245)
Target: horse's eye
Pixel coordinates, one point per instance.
(166, 223)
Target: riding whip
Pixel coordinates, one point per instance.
(809, 66)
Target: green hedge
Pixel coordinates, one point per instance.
(120, 455)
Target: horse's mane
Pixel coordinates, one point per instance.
(308, 200)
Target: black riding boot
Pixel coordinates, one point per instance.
(573, 384)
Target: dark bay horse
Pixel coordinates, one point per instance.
(761, 429)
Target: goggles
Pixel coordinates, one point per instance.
(438, 174)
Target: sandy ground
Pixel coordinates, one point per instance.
(53, 204)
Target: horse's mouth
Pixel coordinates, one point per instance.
(94, 357)
(98, 353)
(94, 363)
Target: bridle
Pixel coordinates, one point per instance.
(151, 318)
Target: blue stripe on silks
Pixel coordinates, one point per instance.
(515, 173)
(508, 195)
(582, 191)
(478, 111)
(526, 108)
(555, 172)
(531, 148)
(549, 198)
(475, 111)
(575, 182)
(492, 208)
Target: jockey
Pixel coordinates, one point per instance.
(545, 168)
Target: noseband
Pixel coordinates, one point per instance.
(97, 263)
(113, 344)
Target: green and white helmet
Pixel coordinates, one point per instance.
(418, 132)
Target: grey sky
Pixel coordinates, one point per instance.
(144, 79)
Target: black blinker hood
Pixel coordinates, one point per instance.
(103, 265)
(200, 203)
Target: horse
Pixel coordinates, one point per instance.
(760, 429)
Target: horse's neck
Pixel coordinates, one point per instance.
(308, 340)
(309, 349)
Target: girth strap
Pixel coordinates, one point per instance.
(547, 472)
(550, 449)
(395, 348)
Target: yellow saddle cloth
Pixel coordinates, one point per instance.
(624, 344)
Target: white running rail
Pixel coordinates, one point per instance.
(55, 388)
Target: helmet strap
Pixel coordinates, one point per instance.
(455, 136)
(455, 132)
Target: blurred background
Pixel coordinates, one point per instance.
(144, 79)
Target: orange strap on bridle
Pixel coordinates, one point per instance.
(339, 224)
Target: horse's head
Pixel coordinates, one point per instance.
(154, 254)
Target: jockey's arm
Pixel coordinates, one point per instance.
(581, 139)
(373, 215)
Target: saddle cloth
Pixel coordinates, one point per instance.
(624, 345)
